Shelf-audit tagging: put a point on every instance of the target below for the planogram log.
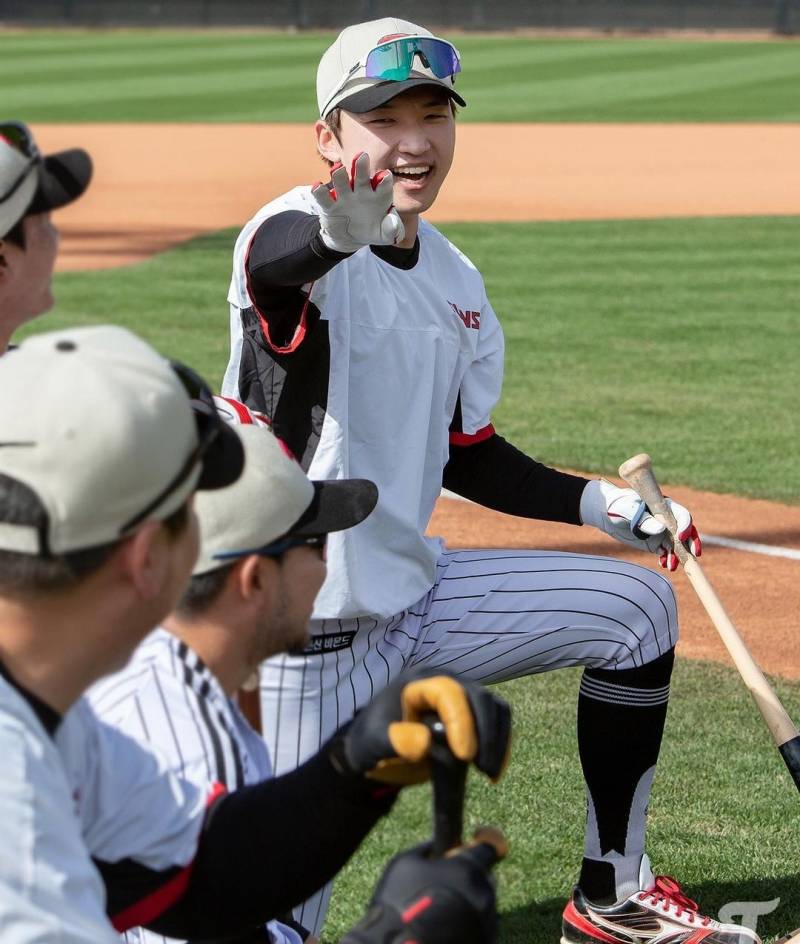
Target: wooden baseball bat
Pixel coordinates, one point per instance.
(638, 473)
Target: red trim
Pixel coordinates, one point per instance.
(578, 921)
(157, 902)
(698, 936)
(417, 908)
(469, 439)
(299, 331)
(240, 410)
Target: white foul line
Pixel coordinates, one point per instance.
(769, 550)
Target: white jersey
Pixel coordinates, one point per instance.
(167, 699)
(50, 891)
(408, 350)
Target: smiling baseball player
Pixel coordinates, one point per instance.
(368, 340)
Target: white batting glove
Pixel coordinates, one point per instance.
(622, 514)
(358, 211)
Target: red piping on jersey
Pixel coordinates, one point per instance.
(299, 331)
(240, 410)
(157, 902)
(469, 439)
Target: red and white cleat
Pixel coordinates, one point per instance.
(659, 914)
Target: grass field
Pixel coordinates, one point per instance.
(172, 76)
(723, 816)
(675, 336)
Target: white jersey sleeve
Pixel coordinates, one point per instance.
(482, 382)
(130, 803)
(49, 888)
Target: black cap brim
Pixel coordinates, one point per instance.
(337, 505)
(223, 461)
(383, 92)
(63, 177)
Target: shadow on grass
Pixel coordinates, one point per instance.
(540, 921)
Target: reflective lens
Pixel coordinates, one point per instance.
(394, 61)
(19, 137)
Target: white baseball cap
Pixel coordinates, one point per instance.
(273, 501)
(107, 433)
(30, 183)
(370, 63)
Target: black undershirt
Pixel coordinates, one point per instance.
(49, 717)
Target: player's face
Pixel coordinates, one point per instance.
(285, 626)
(32, 268)
(184, 548)
(414, 136)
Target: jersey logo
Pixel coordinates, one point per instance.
(327, 642)
(472, 319)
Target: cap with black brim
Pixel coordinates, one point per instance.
(336, 506)
(383, 92)
(63, 177)
(223, 461)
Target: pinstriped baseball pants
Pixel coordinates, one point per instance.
(492, 615)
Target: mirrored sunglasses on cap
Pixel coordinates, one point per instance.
(212, 431)
(19, 137)
(393, 61)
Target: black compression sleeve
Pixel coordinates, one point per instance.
(268, 847)
(287, 251)
(496, 474)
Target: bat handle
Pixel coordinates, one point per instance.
(638, 473)
(449, 776)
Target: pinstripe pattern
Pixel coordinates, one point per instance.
(490, 616)
(167, 698)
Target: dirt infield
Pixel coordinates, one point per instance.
(157, 185)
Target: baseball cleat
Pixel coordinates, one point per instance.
(658, 914)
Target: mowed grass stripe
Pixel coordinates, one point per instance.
(677, 337)
(610, 90)
(169, 76)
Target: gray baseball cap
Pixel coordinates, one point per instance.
(107, 433)
(272, 501)
(31, 183)
(370, 63)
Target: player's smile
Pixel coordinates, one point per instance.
(412, 176)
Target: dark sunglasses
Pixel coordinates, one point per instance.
(208, 424)
(279, 547)
(19, 137)
(317, 541)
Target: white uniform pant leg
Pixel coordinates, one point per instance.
(306, 698)
(500, 614)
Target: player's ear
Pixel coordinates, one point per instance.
(5, 272)
(144, 558)
(327, 142)
(254, 576)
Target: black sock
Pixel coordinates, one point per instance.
(621, 717)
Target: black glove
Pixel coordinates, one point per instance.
(435, 901)
(386, 740)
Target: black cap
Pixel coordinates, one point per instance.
(337, 504)
(63, 177)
